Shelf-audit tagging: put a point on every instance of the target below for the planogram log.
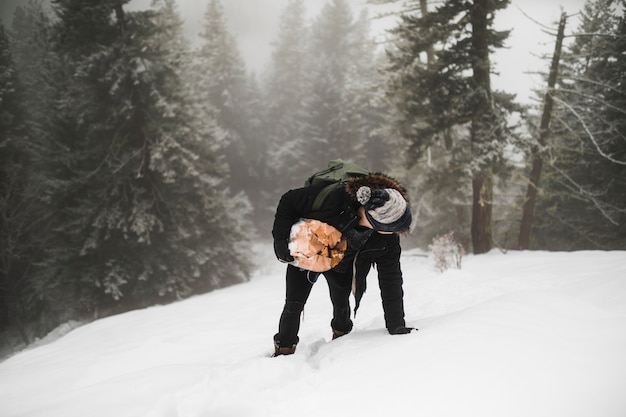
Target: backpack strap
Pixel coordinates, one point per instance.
(321, 196)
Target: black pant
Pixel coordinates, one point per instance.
(299, 283)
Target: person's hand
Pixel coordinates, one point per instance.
(401, 330)
(281, 249)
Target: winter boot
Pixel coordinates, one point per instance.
(279, 351)
(338, 333)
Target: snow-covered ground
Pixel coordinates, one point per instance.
(519, 334)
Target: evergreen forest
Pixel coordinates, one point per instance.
(140, 168)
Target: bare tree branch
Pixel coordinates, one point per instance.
(579, 190)
(599, 84)
(589, 134)
(594, 98)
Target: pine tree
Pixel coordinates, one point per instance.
(15, 206)
(221, 87)
(284, 94)
(536, 151)
(145, 216)
(366, 97)
(325, 107)
(337, 90)
(440, 86)
(37, 67)
(32, 49)
(259, 183)
(583, 200)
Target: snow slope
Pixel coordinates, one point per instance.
(519, 334)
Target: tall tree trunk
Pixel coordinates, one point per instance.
(482, 181)
(482, 196)
(535, 173)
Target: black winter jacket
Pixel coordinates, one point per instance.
(381, 250)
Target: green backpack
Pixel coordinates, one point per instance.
(338, 171)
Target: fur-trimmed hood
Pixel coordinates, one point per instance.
(376, 181)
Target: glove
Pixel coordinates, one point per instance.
(281, 249)
(401, 330)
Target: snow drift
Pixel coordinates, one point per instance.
(517, 334)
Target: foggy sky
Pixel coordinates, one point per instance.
(254, 24)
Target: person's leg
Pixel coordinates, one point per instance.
(340, 286)
(299, 284)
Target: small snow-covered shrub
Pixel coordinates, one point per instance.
(446, 252)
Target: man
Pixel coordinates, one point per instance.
(370, 212)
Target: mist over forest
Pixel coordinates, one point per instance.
(138, 166)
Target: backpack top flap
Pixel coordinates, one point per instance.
(337, 172)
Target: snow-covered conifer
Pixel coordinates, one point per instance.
(146, 211)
